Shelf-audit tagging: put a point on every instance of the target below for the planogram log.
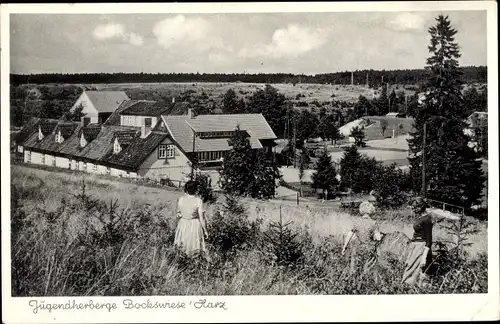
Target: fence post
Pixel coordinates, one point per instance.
(297, 198)
(444, 207)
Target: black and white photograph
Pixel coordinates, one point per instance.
(176, 159)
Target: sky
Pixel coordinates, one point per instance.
(308, 43)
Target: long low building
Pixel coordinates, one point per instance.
(138, 141)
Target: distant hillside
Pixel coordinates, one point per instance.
(471, 74)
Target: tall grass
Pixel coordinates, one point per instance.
(93, 237)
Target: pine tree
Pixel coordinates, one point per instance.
(357, 171)
(236, 173)
(247, 172)
(383, 101)
(452, 171)
(325, 176)
(231, 104)
(392, 101)
(272, 105)
(359, 136)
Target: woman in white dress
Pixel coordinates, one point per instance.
(191, 227)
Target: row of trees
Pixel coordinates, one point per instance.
(375, 78)
(361, 174)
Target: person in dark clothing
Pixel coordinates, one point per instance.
(419, 255)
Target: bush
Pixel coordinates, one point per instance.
(204, 188)
(283, 246)
(231, 231)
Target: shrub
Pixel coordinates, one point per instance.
(282, 245)
(230, 230)
(204, 188)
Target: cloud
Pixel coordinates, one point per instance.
(135, 39)
(407, 21)
(111, 30)
(291, 41)
(180, 31)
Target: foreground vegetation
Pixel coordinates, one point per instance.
(100, 237)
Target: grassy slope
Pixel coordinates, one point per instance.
(61, 248)
(320, 220)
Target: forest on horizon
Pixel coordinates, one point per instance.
(470, 74)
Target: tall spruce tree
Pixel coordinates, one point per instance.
(452, 170)
(325, 176)
(247, 172)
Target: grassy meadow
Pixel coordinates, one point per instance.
(303, 91)
(74, 234)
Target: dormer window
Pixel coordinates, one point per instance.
(40, 134)
(59, 138)
(116, 147)
(83, 141)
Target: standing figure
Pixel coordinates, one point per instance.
(191, 228)
(419, 255)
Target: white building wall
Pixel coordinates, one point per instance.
(36, 158)
(81, 166)
(137, 121)
(118, 173)
(101, 169)
(74, 164)
(62, 162)
(50, 160)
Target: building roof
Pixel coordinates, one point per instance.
(138, 150)
(107, 101)
(48, 143)
(181, 128)
(125, 137)
(179, 108)
(145, 108)
(90, 132)
(66, 128)
(115, 119)
(135, 149)
(48, 125)
(30, 127)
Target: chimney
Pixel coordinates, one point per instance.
(145, 130)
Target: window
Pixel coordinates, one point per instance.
(43, 158)
(166, 151)
(94, 167)
(148, 122)
(162, 151)
(53, 161)
(170, 151)
(28, 156)
(59, 138)
(84, 166)
(116, 147)
(86, 121)
(70, 162)
(83, 141)
(108, 170)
